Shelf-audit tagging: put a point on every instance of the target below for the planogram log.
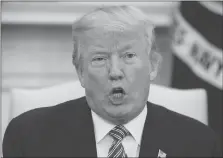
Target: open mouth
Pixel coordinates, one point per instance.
(117, 91)
(117, 95)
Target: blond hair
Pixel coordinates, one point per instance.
(123, 17)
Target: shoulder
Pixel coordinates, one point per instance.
(183, 123)
(38, 127)
(46, 116)
(184, 131)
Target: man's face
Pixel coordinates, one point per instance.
(115, 73)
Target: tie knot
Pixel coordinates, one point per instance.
(119, 132)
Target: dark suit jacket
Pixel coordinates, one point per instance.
(66, 130)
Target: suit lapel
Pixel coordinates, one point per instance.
(150, 138)
(85, 138)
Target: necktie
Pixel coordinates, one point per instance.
(117, 149)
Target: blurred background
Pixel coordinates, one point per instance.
(36, 46)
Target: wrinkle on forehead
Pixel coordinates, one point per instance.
(103, 37)
(115, 28)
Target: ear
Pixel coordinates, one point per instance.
(155, 60)
(80, 76)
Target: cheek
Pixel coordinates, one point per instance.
(138, 73)
(96, 79)
(138, 78)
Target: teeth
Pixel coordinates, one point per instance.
(117, 95)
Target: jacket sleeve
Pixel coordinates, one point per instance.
(12, 142)
(217, 149)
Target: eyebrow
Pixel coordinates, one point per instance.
(103, 51)
(126, 47)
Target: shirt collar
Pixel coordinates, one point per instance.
(101, 126)
(135, 126)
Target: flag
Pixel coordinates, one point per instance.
(161, 154)
(197, 54)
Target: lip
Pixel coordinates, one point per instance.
(117, 101)
(117, 98)
(116, 88)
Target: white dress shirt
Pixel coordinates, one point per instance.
(130, 143)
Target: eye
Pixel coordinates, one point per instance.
(97, 61)
(129, 55)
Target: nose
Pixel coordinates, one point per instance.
(115, 69)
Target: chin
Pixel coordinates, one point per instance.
(119, 120)
(119, 117)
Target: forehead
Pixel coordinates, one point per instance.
(101, 38)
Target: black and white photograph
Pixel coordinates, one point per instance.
(111, 79)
